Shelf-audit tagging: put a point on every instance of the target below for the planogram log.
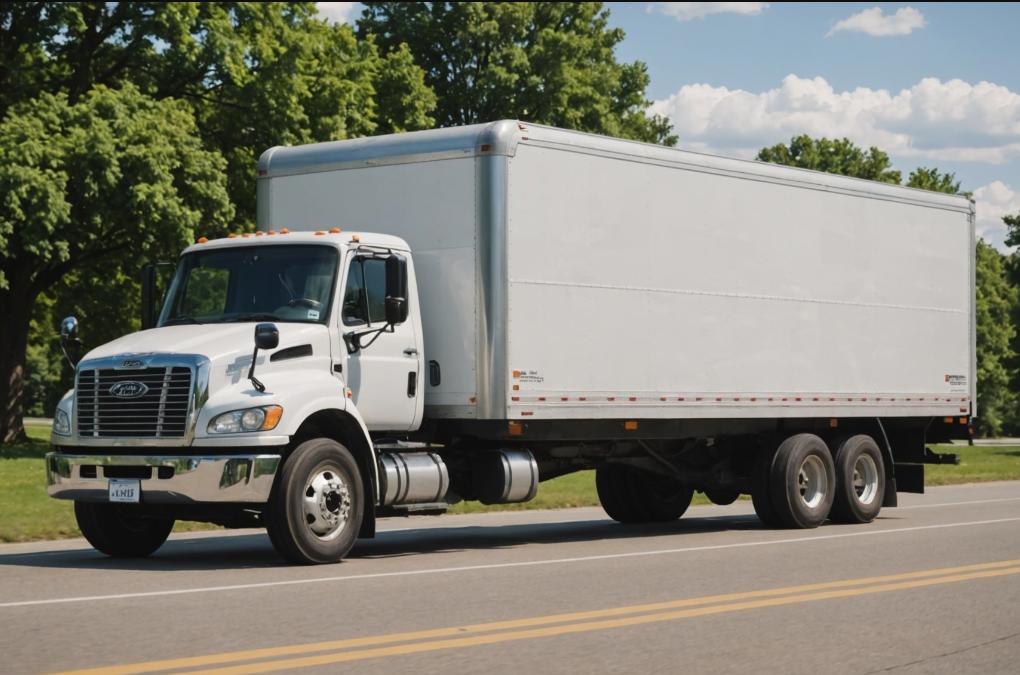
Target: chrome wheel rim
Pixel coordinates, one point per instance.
(327, 503)
(812, 483)
(865, 479)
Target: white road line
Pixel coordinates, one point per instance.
(976, 501)
(493, 566)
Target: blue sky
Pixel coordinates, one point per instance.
(931, 84)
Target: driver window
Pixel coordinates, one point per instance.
(365, 296)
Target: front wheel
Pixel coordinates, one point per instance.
(314, 513)
(117, 530)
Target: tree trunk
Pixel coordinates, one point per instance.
(16, 310)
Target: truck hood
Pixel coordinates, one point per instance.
(217, 342)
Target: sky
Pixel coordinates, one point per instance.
(933, 85)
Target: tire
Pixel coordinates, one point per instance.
(115, 530)
(860, 480)
(629, 495)
(761, 496)
(802, 481)
(315, 510)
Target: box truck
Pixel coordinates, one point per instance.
(462, 313)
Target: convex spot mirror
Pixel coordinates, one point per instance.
(69, 342)
(68, 330)
(396, 289)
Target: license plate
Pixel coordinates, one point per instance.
(125, 491)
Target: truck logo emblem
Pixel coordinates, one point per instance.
(131, 364)
(128, 389)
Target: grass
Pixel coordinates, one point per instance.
(27, 513)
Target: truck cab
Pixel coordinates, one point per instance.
(264, 342)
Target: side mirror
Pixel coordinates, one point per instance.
(68, 330)
(396, 310)
(267, 336)
(396, 289)
(69, 342)
(148, 296)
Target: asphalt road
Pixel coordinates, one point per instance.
(931, 587)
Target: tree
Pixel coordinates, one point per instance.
(832, 156)
(1012, 229)
(545, 62)
(110, 179)
(255, 74)
(932, 179)
(995, 303)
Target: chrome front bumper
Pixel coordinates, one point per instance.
(171, 479)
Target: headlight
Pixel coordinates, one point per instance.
(61, 423)
(252, 419)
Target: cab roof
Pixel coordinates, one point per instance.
(334, 237)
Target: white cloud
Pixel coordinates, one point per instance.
(994, 201)
(336, 12)
(932, 120)
(874, 22)
(686, 11)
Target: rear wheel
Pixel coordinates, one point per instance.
(761, 495)
(117, 530)
(860, 480)
(629, 495)
(802, 481)
(315, 511)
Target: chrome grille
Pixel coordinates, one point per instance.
(161, 411)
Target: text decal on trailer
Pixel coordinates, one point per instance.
(957, 383)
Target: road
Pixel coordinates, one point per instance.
(930, 587)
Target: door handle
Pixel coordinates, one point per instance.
(411, 351)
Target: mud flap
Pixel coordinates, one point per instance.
(909, 478)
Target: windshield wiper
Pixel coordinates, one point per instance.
(181, 318)
(254, 316)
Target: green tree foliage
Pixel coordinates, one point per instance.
(1012, 229)
(932, 179)
(996, 302)
(832, 156)
(255, 74)
(545, 62)
(88, 188)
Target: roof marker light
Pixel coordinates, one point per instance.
(285, 231)
(319, 233)
(335, 230)
(232, 236)
(355, 238)
(202, 240)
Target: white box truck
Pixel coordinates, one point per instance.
(462, 313)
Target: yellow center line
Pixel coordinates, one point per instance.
(581, 622)
(566, 629)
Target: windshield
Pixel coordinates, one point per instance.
(256, 283)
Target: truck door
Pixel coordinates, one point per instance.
(384, 376)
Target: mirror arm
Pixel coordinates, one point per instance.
(63, 349)
(353, 339)
(259, 387)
